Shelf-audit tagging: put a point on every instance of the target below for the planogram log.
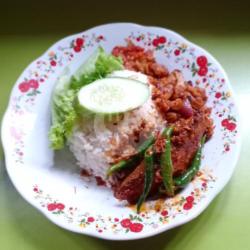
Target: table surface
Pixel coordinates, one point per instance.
(225, 224)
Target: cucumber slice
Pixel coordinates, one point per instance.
(130, 74)
(113, 95)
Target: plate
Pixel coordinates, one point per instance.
(51, 181)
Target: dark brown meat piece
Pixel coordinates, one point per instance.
(132, 186)
(185, 141)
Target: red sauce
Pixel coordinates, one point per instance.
(100, 181)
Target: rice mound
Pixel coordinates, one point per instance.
(98, 142)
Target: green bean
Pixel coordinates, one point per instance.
(146, 144)
(167, 132)
(148, 177)
(166, 164)
(135, 159)
(186, 177)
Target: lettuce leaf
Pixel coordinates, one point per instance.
(97, 66)
(64, 111)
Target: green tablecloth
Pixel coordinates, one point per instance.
(224, 225)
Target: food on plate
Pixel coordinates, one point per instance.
(130, 123)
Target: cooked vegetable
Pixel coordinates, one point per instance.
(185, 178)
(134, 160)
(166, 164)
(64, 114)
(146, 144)
(113, 95)
(148, 177)
(131, 162)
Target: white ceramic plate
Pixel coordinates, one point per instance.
(52, 183)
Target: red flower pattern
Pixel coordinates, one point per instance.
(231, 126)
(155, 42)
(224, 122)
(187, 205)
(52, 206)
(201, 61)
(60, 206)
(204, 184)
(53, 63)
(159, 40)
(136, 227)
(164, 213)
(202, 71)
(190, 199)
(79, 42)
(203, 65)
(33, 84)
(24, 87)
(218, 95)
(125, 223)
(177, 52)
(162, 39)
(90, 219)
(77, 49)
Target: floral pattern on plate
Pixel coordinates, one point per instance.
(162, 211)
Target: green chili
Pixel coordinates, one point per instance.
(185, 178)
(166, 164)
(148, 177)
(146, 144)
(166, 131)
(135, 159)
